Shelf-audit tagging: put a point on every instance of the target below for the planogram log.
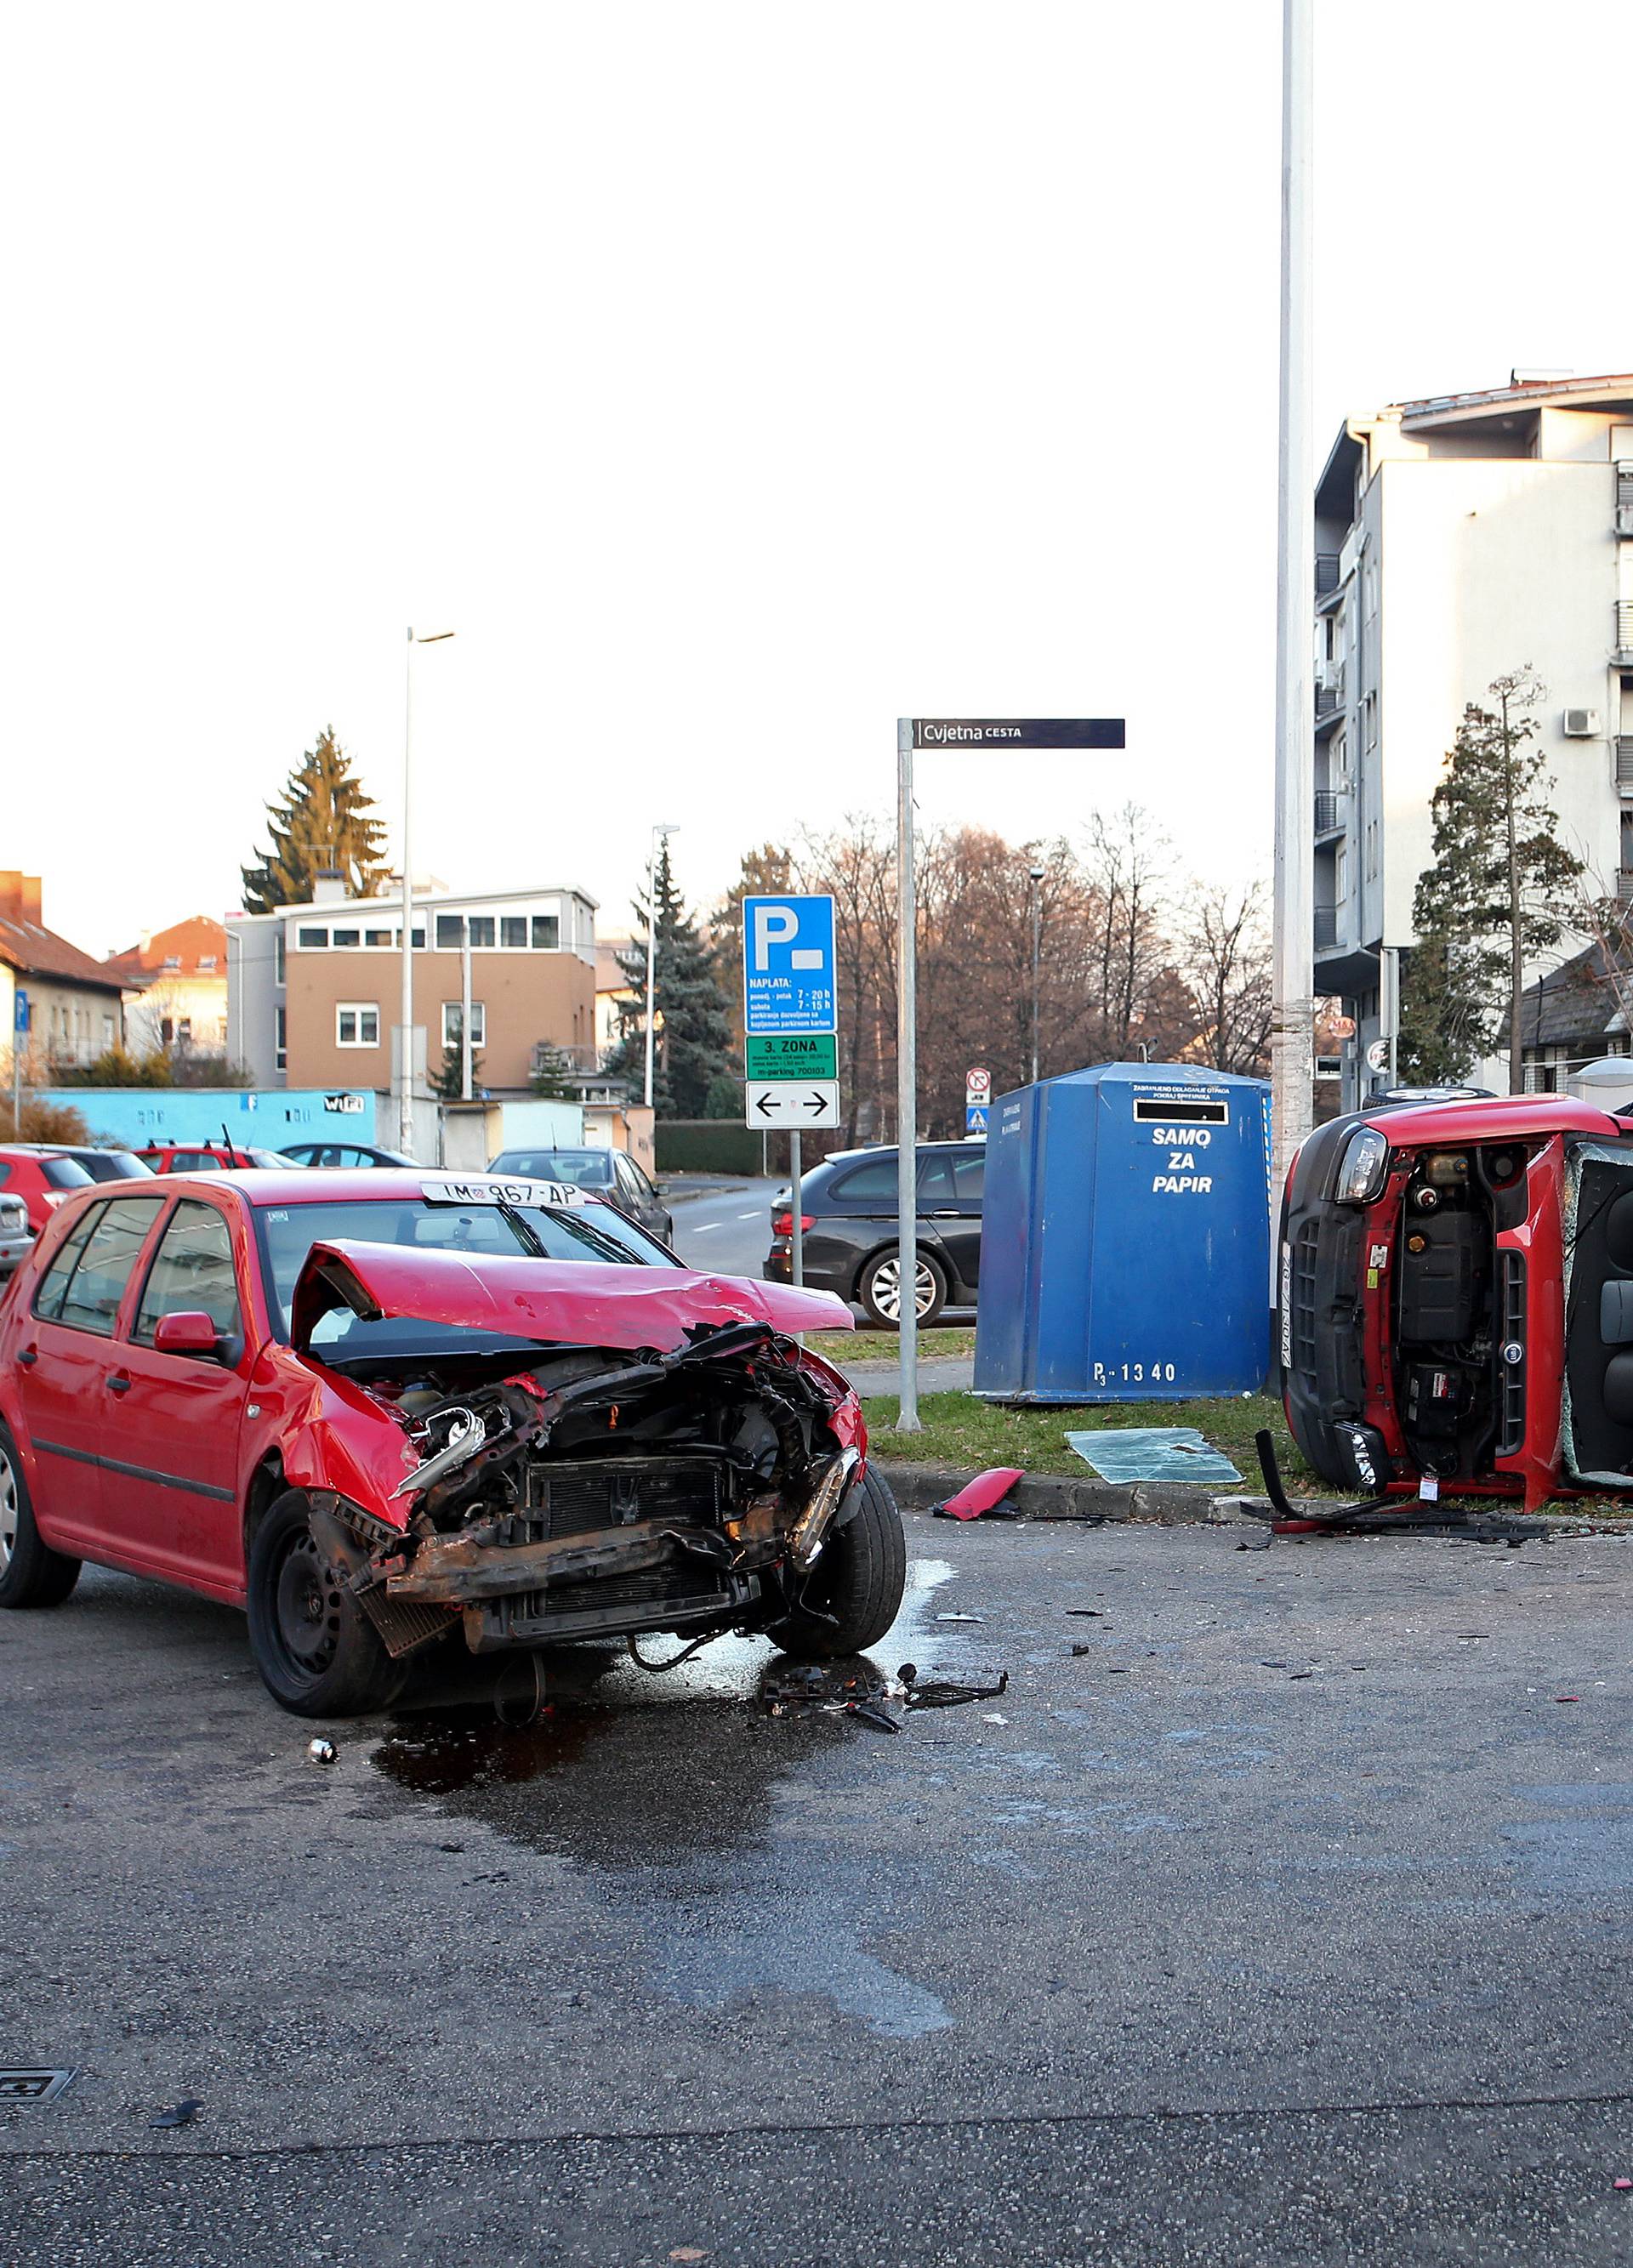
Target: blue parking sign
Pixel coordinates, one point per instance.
(787, 965)
(19, 1014)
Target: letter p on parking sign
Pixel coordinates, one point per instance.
(787, 965)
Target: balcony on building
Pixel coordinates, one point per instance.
(1328, 813)
(1329, 696)
(1325, 928)
(1329, 581)
(1624, 633)
(1624, 764)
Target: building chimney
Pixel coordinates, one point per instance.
(329, 886)
(20, 896)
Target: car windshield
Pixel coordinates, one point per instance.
(113, 1164)
(289, 1232)
(64, 1173)
(583, 1170)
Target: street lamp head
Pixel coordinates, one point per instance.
(1036, 873)
(666, 827)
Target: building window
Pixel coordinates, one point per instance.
(382, 936)
(347, 937)
(279, 960)
(207, 964)
(480, 927)
(280, 1039)
(450, 931)
(513, 930)
(172, 961)
(312, 940)
(546, 932)
(356, 1024)
(451, 1024)
(107, 1031)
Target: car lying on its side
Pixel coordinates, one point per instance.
(390, 1411)
(1456, 1297)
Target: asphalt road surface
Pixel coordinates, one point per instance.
(1287, 1923)
(728, 1230)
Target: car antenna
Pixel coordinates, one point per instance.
(231, 1151)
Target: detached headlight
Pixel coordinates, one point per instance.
(1361, 1167)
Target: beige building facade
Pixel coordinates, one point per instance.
(315, 990)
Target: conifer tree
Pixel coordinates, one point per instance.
(694, 1015)
(1501, 891)
(322, 820)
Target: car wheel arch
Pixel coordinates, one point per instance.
(267, 1483)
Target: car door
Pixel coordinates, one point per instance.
(172, 1484)
(66, 1357)
(637, 1198)
(938, 1213)
(952, 1201)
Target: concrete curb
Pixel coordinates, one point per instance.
(1052, 1495)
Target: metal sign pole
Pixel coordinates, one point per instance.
(797, 1258)
(907, 1090)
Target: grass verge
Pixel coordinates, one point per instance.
(881, 1346)
(960, 1430)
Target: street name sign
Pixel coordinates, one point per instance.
(791, 1055)
(798, 1106)
(1019, 732)
(787, 966)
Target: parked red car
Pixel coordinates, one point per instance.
(209, 1157)
(388, 1411)
(42, 1178)
(1455, 1297)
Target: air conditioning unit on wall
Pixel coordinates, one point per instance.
(1580, 724)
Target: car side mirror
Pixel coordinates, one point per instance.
(189, 1332)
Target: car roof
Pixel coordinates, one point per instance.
(270, 1185)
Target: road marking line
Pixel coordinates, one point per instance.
(704, 1227)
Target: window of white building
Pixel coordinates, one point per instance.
(451, 1019)
(356, 1024)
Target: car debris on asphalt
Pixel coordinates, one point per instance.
(985, 1493)
(322, 1752)
(861, 1689)
(182, 2114)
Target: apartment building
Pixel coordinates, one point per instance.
(1457, 539)
(75, 1006)
(315, 990)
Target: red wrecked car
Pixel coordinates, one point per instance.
(1455, 1297)
(388, 1411)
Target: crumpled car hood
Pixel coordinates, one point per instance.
(584, 1302)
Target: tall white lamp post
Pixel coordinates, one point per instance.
(405, 1046)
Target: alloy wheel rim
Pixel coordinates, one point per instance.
(886, 1288)
(9, 1510)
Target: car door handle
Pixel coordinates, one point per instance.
(119, 1383)
(27, 1356)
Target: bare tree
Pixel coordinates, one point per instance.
(1226, 949)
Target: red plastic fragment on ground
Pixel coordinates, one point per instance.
(982, 1494)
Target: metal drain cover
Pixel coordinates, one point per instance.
(32, 2086)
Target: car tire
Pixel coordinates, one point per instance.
(853, 1593)
(31, 1573)
(318, 1653)
(878, 1288)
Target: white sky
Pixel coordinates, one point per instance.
(731, 378)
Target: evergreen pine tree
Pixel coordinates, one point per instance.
(694, 1014)
(1500, 891)
(448, 1081)
(553, 1074)
(322, 820)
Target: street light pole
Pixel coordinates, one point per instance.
(1292, 1033)
(1034, 875)
(907, 1419)
(659, 833)
(405, 1053)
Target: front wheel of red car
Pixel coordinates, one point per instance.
(316, 1650)
(853, 1593)
(31, 1573)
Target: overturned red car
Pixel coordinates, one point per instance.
(389, 1411)
(1455, 1297)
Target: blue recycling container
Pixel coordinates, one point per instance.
(1126, 1237)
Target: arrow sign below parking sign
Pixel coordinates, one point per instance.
(787, 965)
(799, 1108)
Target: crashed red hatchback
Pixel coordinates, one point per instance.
(1455, 1297)
(388, 1411)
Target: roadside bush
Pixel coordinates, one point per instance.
(42, 1121)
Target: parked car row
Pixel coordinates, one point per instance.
(37, 1176)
